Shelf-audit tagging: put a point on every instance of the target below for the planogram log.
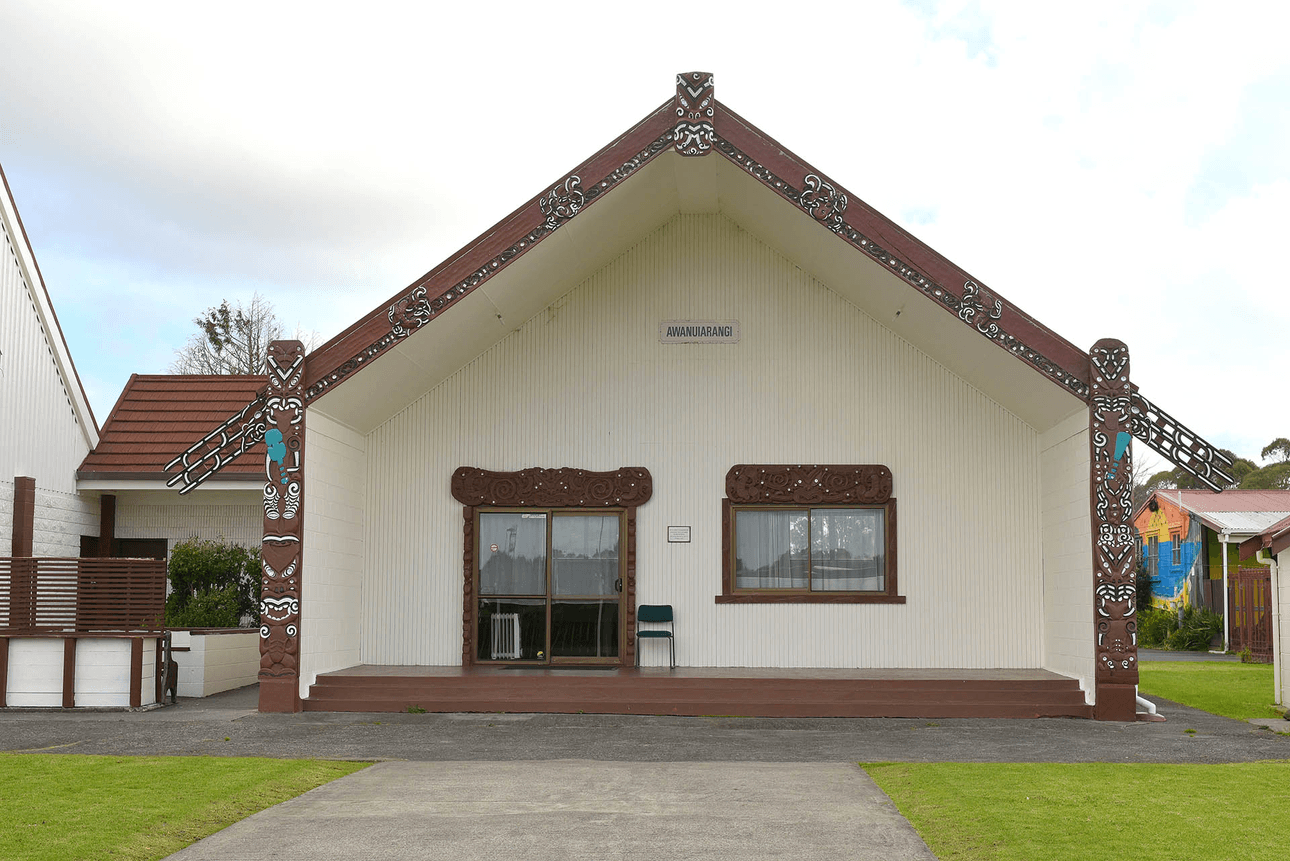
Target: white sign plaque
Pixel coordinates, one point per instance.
(698, 332)
(678, 535)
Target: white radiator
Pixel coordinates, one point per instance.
(506, 637)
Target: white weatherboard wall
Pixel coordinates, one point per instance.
(814, 380)
(1068, 551)
(332, 593)
(42, 436)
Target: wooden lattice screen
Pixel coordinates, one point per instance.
(45, 595)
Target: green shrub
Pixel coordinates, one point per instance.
(1196, 631)
(1154, 627)
(217, 609)
(211, 580)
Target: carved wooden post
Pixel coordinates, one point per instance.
(1114, 560)
(282, 550)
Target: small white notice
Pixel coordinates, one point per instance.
(698, 332)
(678, 535)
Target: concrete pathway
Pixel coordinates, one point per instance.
(578, 809)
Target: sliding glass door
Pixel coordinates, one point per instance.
(549, 586)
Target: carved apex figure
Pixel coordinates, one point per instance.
(695, 106)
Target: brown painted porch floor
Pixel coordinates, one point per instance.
(746, 691)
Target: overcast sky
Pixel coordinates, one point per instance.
(1115, 169)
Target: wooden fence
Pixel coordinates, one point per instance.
(46, 595)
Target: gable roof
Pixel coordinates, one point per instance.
(11, 223)
(693, 154)
(155, 415)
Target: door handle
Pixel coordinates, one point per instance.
(618, 585)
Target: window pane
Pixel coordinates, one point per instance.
(847, 550)
(771, 549)
(584, 555)
(511, 630)
(584, 629)
(518, 564)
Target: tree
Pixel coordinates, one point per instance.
(234, 339)
(1274, 476)
(1248, 474)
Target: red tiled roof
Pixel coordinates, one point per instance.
(1232, 500)
(158, 416)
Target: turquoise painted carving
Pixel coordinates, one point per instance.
(277, 450)
(1122, 440)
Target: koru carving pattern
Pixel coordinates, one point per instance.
(809, 484)
(281, 557)
(969, 306)
(824, 202)
(562, 202)
(1175, 441)
(1114, 560)
(695, 106)
(581, 488)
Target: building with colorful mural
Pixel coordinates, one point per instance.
(1188, 540)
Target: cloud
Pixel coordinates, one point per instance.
(1120, 171)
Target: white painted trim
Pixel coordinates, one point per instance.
(107, 486)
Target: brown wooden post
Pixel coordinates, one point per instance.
(468, 604)
(107, 524)
(159, 671)
(282, 550)
(24, 515)
(69, 673)
(4, 670)
(136, 672)
(1114, 559)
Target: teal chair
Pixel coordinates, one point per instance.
(655, 614)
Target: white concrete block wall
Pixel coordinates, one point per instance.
(230, 660)
(235, 516)
(334, 551)
(1068, 551)
(216, 661)
(61, 519)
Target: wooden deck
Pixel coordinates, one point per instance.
(795, 692)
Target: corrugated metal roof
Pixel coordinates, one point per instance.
(1241, 522)
(159, 416)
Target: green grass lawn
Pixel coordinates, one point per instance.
(68, 808)
(1094, 812)
(1225, 688)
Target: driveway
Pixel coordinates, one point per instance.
(578, 809)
